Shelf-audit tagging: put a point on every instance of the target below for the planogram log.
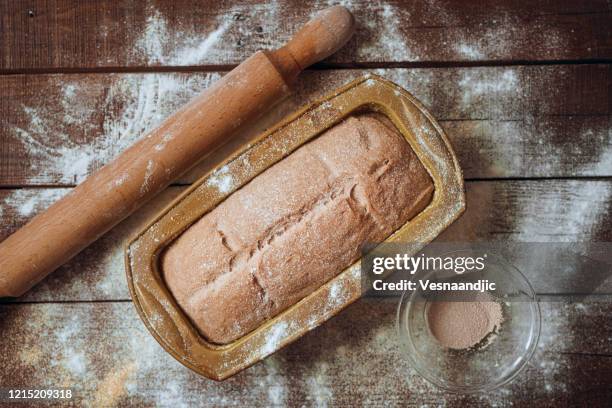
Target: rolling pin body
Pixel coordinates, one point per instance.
(149, 166)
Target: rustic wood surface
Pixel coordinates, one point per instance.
(523, 89)
(72, 35)
(103, 351)
(501, 120)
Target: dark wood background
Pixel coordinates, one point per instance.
(523, 89)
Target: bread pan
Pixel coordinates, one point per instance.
(157, 307)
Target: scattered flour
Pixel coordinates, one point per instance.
(113, 264)
(146, 99)
(222, 180)
(133, 105)
(72, 356)
(319, 385)
(165, 139)
(370, 83)
(28, 202)
(144, 188)
(275, 380)
(273, 339)
(192, 56)
(468, 51)
(386, 34)
(574, 220)
(473, 85)
(76, 362)
(604, 163)
(334, 291)
(68, 156)
(157, 45)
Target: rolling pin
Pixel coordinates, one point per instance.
(140, 172)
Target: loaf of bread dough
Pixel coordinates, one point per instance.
(295, 226)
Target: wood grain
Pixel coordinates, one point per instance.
(103, 352)
(56, 129)
(533, 121)
(71, 34)
(503, 211)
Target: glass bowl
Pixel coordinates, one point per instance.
(491, 363)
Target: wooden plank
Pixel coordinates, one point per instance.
(103, 352)
(502, 211)
(56, 129)
(535, 211)
(70, 34)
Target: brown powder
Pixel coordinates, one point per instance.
(461, 325)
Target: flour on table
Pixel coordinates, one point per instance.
(276, 382)
(158, 45)
(468, 51)
(473, 85)
(134, 105)
(76, 363)
(28, 202)
(574, 220)
(386, 34)
(319, 384)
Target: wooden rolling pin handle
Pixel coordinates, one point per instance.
(318, 39)
(150, 165)
(321, 37)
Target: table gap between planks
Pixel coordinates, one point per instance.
(523, 89)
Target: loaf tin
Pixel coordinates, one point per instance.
(157, 307)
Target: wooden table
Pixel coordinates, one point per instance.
(523, 89)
